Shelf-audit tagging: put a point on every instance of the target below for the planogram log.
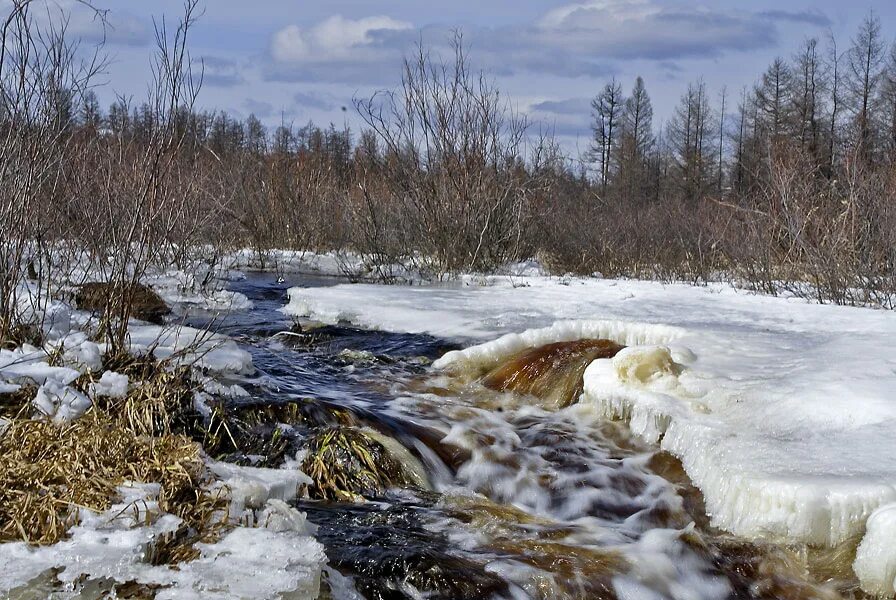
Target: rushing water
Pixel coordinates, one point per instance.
(523, 499)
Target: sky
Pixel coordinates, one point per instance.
(298, 61)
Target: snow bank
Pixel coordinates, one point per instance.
(189, 346)
(782, 411)
(486, 356)
(185, 290)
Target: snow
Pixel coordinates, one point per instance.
(28, 364)
(60, 403)
(782, 411)
(115, 544)
(110, 385)
(189, 346)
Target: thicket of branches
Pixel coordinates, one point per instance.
(791, 186)
(794, 189)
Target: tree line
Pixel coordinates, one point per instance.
(787, 188)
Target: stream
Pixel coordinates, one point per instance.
(513, 499)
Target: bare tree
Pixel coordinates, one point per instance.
(864, 61)
(607, 111)
(456, 190)
(42, 75)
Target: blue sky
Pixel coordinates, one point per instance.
(300, 61)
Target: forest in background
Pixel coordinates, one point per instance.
(788, 186)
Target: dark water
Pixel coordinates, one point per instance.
(519, 500)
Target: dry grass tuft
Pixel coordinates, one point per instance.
(347, 465)
(48, 471)
(16, 405)
(160, 404)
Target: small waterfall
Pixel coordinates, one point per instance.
(552, 373)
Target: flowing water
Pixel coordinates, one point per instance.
(516, 491)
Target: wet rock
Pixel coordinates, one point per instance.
(348, 464)
(364, 343)
(146, 305)
(391, 554)
(551, 373)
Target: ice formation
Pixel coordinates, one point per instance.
(190, 346)
(781, 411)
(875, 563)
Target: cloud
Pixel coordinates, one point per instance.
(569, 106)
(316, 100)
(567, 117)
(333, 39)
(90, 25)
(590, 38)
(259, 108)
(220, 72)
(646, 29)
(809, 17)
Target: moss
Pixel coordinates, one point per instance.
(101, 297)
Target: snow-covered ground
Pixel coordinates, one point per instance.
(272, 538)
(783, 412)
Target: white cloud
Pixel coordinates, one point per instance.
(335, 38)
(597, 14)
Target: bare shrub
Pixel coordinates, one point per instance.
(42, 73)
(456, 187)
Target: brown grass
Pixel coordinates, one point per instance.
(48, 472)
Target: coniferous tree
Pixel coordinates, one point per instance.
(607, 110)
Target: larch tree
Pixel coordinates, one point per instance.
(607, 111)
(865, 60)
(691, 135)
(636, 141)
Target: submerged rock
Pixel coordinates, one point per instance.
(393, 556)
(348, 464)
(551, 373)
(146, 305)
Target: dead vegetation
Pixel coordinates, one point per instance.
(345, 464)
(50, 472)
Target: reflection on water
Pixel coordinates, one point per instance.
(528, 494)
